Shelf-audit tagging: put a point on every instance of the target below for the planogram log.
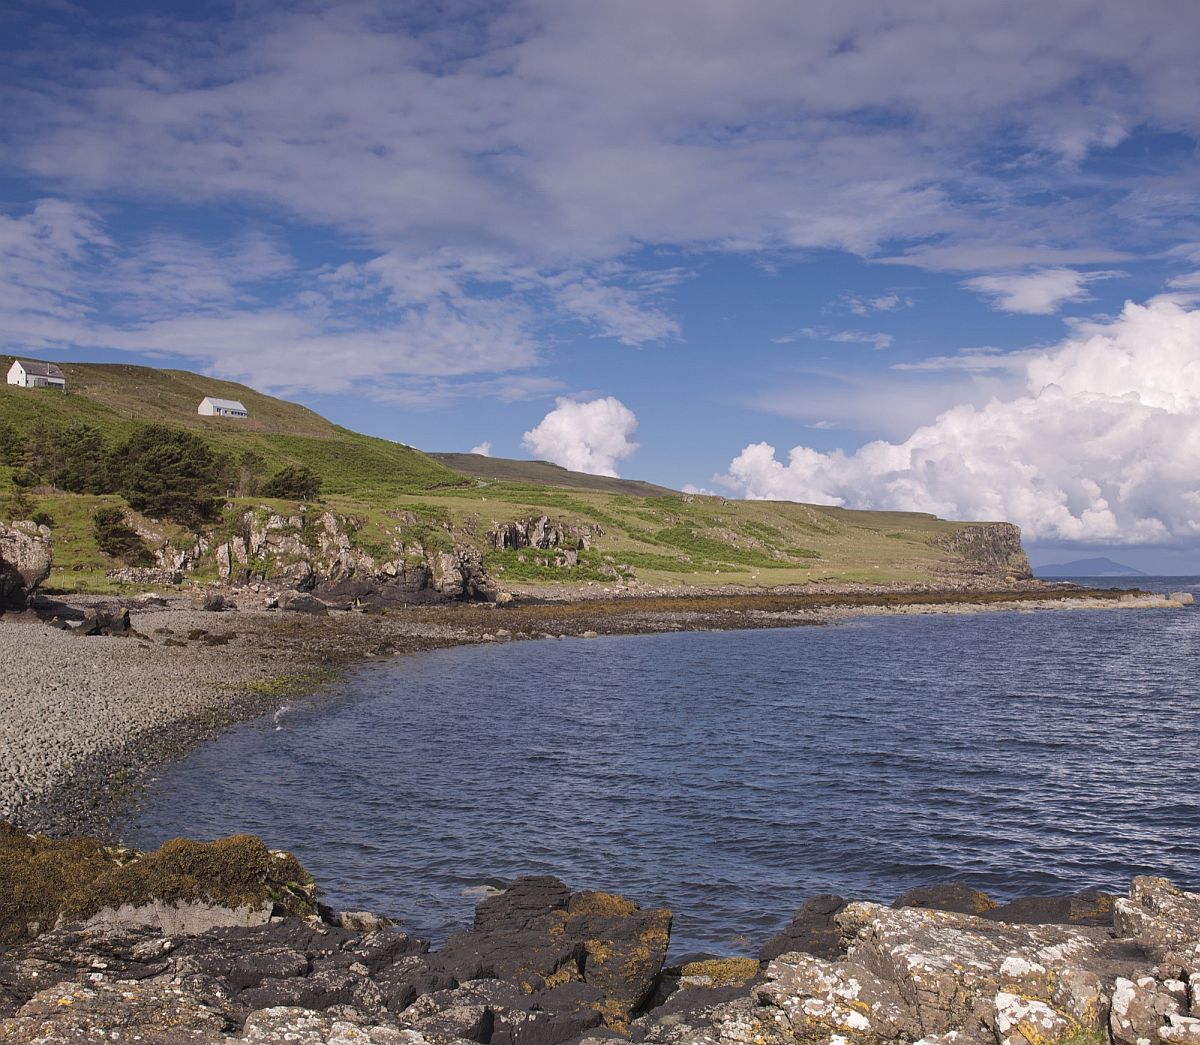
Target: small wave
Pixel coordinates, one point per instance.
(277, 718)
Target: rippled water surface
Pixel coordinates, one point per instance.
(729, 775)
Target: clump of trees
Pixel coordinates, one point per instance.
(295, 482)
(117, 538)
(168, 473)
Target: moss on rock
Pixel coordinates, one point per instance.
(51, 881)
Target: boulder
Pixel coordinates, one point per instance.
(812, 930)
(1083, 908)
(304, 603)
(538, 935)
(153, 1013)
(1156, 910)
(24, 562)
(104, 621)
(953, 896)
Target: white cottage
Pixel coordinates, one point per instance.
(36, 375)
(211, 407)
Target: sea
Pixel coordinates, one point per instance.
(729, 775)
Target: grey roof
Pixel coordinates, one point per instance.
(41, 369)
(226, 404)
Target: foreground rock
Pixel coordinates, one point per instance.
(24, 562)
(542, 965)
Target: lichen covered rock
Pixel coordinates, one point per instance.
(24, 562)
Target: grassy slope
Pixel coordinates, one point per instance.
(664, 537)
(546, 474)
(116, 398)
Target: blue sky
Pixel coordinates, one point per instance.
(929, 256)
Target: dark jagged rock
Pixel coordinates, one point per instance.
(1084, 908)
(101, 621)
(302, 602)
(591, 973)
(812, 930)
(953, 896)
(539, 935)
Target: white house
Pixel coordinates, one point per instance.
(211, 407)
(36, 375)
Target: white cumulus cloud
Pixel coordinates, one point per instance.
(585, 437)
(484, 449)
(1103, 444)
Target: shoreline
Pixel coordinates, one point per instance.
(102, 711)
(143, 946)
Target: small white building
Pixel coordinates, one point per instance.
(36, 375)
(211, 407)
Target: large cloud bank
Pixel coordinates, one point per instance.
(1103, 446)
(585, 437)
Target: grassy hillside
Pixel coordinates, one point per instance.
(544, 473)
(117, 398)
(392, 492)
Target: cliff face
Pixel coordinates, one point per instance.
(994, 548)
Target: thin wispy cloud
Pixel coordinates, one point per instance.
(1038, 293)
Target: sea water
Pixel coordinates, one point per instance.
(729, 775)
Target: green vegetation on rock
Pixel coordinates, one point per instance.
(47, 880)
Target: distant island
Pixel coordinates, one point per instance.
(1099, 567)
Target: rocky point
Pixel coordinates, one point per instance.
(225, 942)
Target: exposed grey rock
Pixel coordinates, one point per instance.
(178, 918)
(1140, 1008)
(24, 562)
(151, 575)
(153, 1012)
(1156, 910)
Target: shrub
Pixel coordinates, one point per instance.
(295, 482)
(118, 539)
(43, 519)
(169, 473)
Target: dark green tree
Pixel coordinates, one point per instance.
(80, 460)
(12, 444)
(169, 473)
(250, 471)
(295, 482)
(118, 539)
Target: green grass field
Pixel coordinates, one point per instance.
(657, 536)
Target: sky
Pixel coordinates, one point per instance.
(938, 256)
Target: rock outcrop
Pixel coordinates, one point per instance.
(24, 562)
(315, 551)
(992, 548)
(543, 533)
(543, 965)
